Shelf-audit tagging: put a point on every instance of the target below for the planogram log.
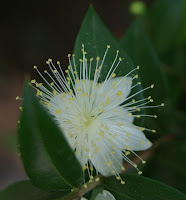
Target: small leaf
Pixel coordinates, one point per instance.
(168, 165)
(24, 190)
(141, 188)
(95, 36)
(139, 48)
(48, 159)
(165, 21)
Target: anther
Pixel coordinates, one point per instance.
(162, 104)
(108, 46)
(152, 86)
(35, 67)
(17, 97)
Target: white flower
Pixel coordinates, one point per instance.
(95, 118)
(105, 195)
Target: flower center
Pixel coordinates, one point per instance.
(87, 121)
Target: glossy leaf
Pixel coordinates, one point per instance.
(24, 190)
(168, 165)
(141, 188)
(165, 21)
(48, 159)
(139, 48)
(95, 36)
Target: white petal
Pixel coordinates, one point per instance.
(105, 195)
(104, 156)
(130, 136)
(120, 87)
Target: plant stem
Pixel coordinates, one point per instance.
(79, 192)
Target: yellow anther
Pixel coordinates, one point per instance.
(154, 131)
(47, 62)
(91, 59)
(128, 134)
(97, 179)
(113, 152)
(124, 79)
(143, 161)
(84, 94)
(149, 97)
(69, 55)
(148, 142)
(127, 153)
(162, 104)
(137, 67)
(33, 81)
(152, 86)
(17, 97)
(63, 94)
(50, 60)
(54, 92)
(135, 165)
(123, 182)
(58, 111)
(151, 100)
(120, 59)
(140, 172)
(66, 71)
(138, 116)
(21, 108)
(139, 83)
(123, 168)
(113, 172)
(130, 114)
(117, 51)
(97, 70)
(119, 93)
(142, 142)
(155, 116)
(35, 67)
(58, 62)
(77, 80)
(97, 150)
(120, 124)
(85, 185)
(80, 60)
(136, 76)
(52, 83)
(98, 58)
(118, 178)
(113, 75)
(69, 67)
(108, 46)
(72, 190)
(90, 181)
(114, 110)
(75, 72)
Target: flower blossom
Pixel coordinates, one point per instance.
(96, 117)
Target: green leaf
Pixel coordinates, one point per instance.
(48, 159)
(139, 48)
(141, 188)
(95, 36)
(168, 165)
(24, 190)
(165, 21)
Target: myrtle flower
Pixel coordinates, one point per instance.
(96, 118)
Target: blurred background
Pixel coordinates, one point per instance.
(31, 32)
